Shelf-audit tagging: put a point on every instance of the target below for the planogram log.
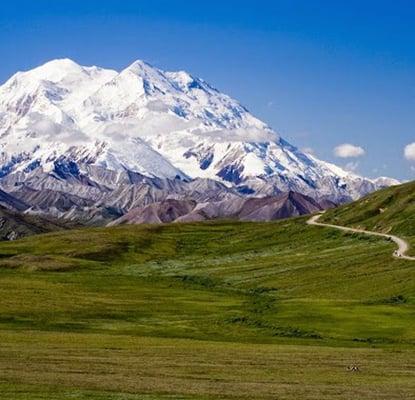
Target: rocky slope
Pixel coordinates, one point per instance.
(15, 223)
(244, 209)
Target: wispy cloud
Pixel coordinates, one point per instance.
(352, 166)
(308, 150)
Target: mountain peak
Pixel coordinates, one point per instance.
(55, 70)
(62, 63)
(150, 76)
(140, 64)
(142, 68)
(156, 123)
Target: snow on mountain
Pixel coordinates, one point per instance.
(158, 124)
(385, 181)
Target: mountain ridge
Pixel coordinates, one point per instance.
(92, 132)
(244, 209)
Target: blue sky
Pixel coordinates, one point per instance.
(321, 73)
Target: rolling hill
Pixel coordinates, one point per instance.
(390, 210)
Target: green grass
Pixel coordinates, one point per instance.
(205, 311)
(391, 210)
(53, 365)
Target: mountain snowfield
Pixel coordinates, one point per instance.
(88, 131)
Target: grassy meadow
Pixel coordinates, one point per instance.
(213, 310)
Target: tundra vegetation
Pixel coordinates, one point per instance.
(213, 310)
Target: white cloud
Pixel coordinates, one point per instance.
(347, 150)
(409, 152)
(248, 134)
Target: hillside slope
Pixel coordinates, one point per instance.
(15, 225)
(390, 210)
(287, 260)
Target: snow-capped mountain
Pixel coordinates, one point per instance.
(89, 131)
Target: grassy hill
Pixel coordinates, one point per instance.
(388, 210)
(205, 311)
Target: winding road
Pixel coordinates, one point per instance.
(403, 246)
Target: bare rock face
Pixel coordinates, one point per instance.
(12, 202)
(286, 205)
(160, 212)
